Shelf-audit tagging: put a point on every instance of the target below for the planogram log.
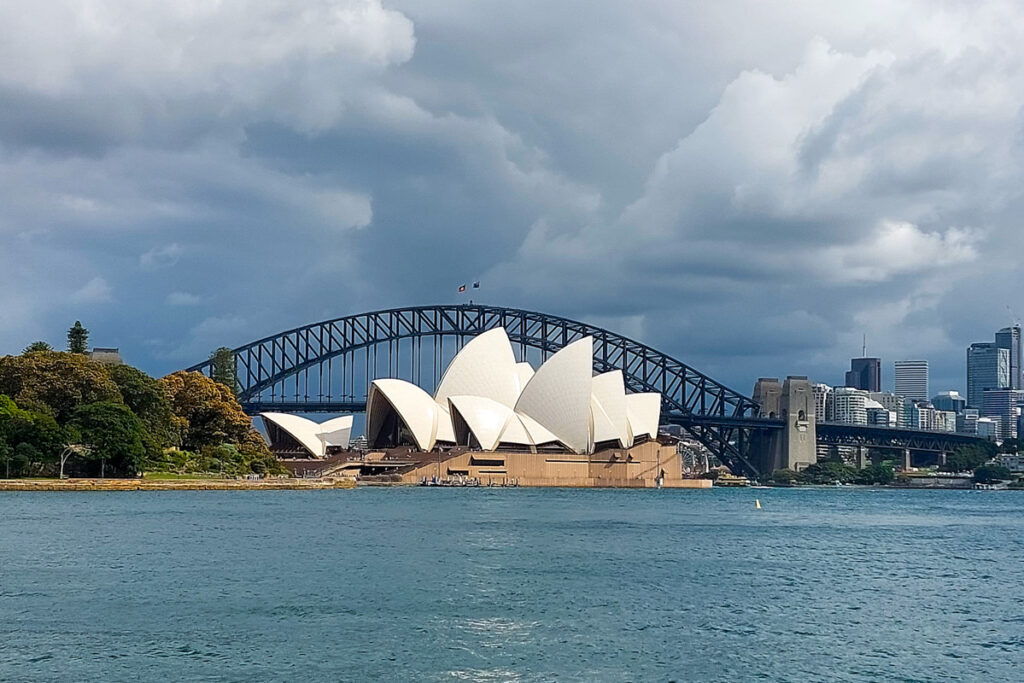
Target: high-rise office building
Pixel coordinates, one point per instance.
(967, 421)
(988, 367)
(1009, 338)
(822, 402)
(1004, 404)
(896, 404)
(849, 405)
(912, 379)
(949, 400)
(865, 373)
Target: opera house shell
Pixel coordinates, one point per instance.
(294, 436)
(489, 402)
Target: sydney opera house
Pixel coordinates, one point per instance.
(495, 420)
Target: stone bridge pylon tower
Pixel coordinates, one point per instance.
(795, 445)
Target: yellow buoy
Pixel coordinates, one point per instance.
(757, 503)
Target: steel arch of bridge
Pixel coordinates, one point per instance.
(711, 412)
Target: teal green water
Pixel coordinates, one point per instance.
(505, 584)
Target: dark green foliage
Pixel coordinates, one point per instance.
(78, 338)
(25, 454)
(113, 433)
(222, 369)
(35, 429)
(828, 472)
(875, 474)
(55, 382)
(967, 458)
(50, 399)
(147, 398)
(785, 476)
(1010, 445)
(37, 346)
(6, 452)
(990, 474)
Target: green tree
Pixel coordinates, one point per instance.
(78, 338)
(37, 346)
(148, 399)
(35, 428)
(875, 474)
(222, 368)
(785, 476)
(990, 474)
(56, 382)
(113, 433)
(5, 455)
(25, 454)
(1010, 445)
(967, 458)
(827, 472)
(206, 412)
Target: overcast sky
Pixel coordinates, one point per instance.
(750, 187)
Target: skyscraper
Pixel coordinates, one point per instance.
(1009, 338)
(865, 373)
(949, 400)
(1004, 404)
(912, 379)
(988, 367)
(849, 405)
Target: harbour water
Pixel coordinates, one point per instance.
(512, 584)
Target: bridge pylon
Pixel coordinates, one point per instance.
(795, 445)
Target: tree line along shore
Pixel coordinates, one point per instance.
(113, 420)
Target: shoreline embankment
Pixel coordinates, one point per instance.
(282, 484)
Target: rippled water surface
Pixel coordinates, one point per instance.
(528, 584)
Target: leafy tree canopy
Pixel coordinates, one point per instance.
(990, 474)
(36, 428)
(37, 346)
(148, 399)
(113, 433)
(827, 472)
(1010, 445)
(56, 382)
(206, 411)
(967, 458)
(785, 476)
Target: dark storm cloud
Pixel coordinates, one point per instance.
(751, 187)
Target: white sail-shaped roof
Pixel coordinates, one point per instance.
(485, 417)
(502, 402)
(609, 408)
(306, 432)
(558, 395)
(445, 430)
(539, 435)
(524, 372)
(603, 428)
(486, 366)
(644, 412)
(336, 431)
(415, 408)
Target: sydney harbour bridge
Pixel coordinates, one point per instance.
(328, 366)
